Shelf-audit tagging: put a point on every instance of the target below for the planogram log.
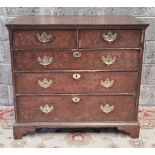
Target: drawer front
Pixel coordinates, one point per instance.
(81, 60)
(109, 39)
(44, 39)
(110, 108)
(56, 108)
(63, 108)
(78, 82)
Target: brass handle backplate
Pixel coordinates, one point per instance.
(77, 54)
(107, 83)
(46, 109)
(76, 76)
(75, 99)
(45, 83)
(44, 37)
(109, 37)
(107, 108)
(45, 61)
(108, 60)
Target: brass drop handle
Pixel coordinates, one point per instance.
(76, 76)
(44, 37)
(45, 61)
(46, 108)
(45, 83)
(108, 60)
(76, 54)
(109, 37)
(107, 108)
(75, 99)
(107, 83)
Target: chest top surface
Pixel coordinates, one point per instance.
(78, 20)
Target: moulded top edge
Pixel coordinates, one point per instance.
(76, 21)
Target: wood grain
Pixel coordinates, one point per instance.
(72, 33)
(89, 60)
(124, 82)
(29, 40)
(125, 39)
(77, 20)
(87, 109)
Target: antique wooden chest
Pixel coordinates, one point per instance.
(76, 72)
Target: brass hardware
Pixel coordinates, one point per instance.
(45, 61)
(107, 108)
(108, 60)
(45, 83)
(46, 108)
(44, 37)
(107, 83)
(109, 37)
(76, 54)
(75, 99)
(76, 76)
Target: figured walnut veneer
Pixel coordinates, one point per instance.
(76, 72)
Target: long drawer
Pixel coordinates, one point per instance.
(64, 108)
(76, 82)
(44, 39)
(77, 60)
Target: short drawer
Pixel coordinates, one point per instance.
(109, 39)
(77, 60)
(76, 82)
(64, 108)
(44, 39)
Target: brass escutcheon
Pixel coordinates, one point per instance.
(109, 37)
(45, 61)
(76, 76)
(46, 108)
(44, 37)
(107, 108)
(75, 99)
(45, 83)
(76, 54)
(107, 83)
(108, 60)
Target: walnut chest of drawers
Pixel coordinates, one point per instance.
(76, 72)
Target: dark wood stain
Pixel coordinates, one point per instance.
(88, 82)
(125, 39)
(89, 60)
(87, 109)
(70, 34)
(60, 39)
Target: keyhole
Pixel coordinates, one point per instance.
(76, 76)
(77, 54)
(76, 99)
